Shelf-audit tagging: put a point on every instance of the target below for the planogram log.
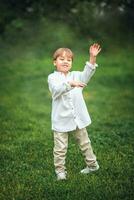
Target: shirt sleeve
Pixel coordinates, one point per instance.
(88, 72)
(57, 89)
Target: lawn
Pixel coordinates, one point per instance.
(26, 150)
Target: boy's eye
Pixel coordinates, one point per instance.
(69, 60)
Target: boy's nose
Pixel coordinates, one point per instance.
(65, 62)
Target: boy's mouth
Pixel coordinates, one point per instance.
(64, 65)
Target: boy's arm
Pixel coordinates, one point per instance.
(88, 72)
(57, 89)
(90, 66)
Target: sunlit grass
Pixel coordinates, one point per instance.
(26, 150)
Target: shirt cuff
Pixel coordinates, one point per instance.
(92, 66)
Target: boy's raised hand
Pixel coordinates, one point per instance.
(94, 49)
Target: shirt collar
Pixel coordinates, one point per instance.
(61, 73)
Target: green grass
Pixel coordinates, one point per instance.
(26, 150)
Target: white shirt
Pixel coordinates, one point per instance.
(68, 106)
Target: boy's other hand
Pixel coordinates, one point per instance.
(94, 50)
(77, 84)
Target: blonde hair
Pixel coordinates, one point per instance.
(60, 52)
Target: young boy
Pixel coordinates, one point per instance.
(69, 110)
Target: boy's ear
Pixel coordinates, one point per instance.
(54, 62)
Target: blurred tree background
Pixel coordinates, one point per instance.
(93, 19)
(30, 31)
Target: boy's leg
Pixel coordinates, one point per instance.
(60, 150)
(84, 142)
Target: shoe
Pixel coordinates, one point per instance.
(88, 170)
(61, 176)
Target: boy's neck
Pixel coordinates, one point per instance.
(65, 73)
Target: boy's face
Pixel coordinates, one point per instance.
(63, 63)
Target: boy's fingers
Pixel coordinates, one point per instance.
(91, 48)
(99, 50)
(82, 84)
(98, 46)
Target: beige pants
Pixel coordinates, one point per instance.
(61, 145)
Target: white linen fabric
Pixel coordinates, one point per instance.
(69, 110)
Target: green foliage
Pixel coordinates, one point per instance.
(41, 37)
(26, 149)
(98, 19)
